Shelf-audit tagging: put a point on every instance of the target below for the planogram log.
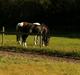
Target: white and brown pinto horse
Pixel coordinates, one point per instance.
(24, 29)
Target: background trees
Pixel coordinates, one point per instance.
(62, 16)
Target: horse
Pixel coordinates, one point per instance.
(25, 28)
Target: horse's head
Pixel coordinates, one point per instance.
(45, 35)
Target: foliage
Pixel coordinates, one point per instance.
(59, 15)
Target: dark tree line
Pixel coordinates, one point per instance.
(62, 16)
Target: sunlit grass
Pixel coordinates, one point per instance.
(56, 43)
(22, 65)
(65, 44)
(33, 65)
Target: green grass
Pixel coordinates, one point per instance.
(23, 65)
(56, 43)
(34, 65)
(60, 46)
(65, 44)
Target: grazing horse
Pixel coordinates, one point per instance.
(25, 28)
(42, 30)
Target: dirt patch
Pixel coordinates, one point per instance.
(11, 52)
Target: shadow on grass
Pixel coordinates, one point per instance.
(42, 51)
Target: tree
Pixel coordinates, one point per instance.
(59, 15)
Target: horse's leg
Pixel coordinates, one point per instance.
(24, 40)
(24, 44)
(18, 36)
(38, 39)
(44, 41)
(35, 40)
(18, 39)
(43, 44)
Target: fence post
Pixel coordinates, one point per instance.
(3, 30)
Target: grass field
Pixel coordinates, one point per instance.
(56, 43)
(16, 64)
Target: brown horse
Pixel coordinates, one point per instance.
(25, 28)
